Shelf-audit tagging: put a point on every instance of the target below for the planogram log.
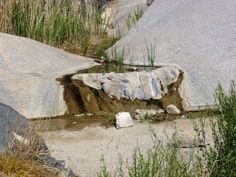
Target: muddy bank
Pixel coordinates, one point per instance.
(81, 98)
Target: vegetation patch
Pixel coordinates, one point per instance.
(134, 16)
(12, 165)
(200, 160)
(61, 23)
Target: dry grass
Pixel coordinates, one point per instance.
(12, 165)
(26, 155)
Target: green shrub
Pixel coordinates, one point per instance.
(217, 160)
(222, 157)
(160, 161)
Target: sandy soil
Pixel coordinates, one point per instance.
(83, 150)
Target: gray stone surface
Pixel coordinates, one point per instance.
(199, 36)
(28, 73)
(11, 121)
(123, 9)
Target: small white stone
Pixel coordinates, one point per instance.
(89, 114)
(123, 119)
(172, 109)
(160, 111)
(80, 115)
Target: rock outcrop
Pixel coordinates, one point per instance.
(199, 36)
(142, 85)
(28, 73)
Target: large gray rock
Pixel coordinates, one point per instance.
(199, 36)
(28, 73)
(11, 122)
(142, 85)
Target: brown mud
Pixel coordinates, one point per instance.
(173, 96)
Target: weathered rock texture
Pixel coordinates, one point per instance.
(28, 73)
(116, 92)
(142, 85)
(11, 121)
(199, 36)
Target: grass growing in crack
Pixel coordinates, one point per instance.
(118, 58)
(151, 55)
(133, 17)
(149, 117)
(103, 172)
(60, 23)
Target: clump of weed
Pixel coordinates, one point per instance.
(133, 17)
(26, 155)
(222, 157)
(118, 58)
(12, 165)
(158, 161)
(151, 55)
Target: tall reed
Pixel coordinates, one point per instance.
(60, 23)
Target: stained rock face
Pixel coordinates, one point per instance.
(199, 36)
(142, 85)
(28, 73)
